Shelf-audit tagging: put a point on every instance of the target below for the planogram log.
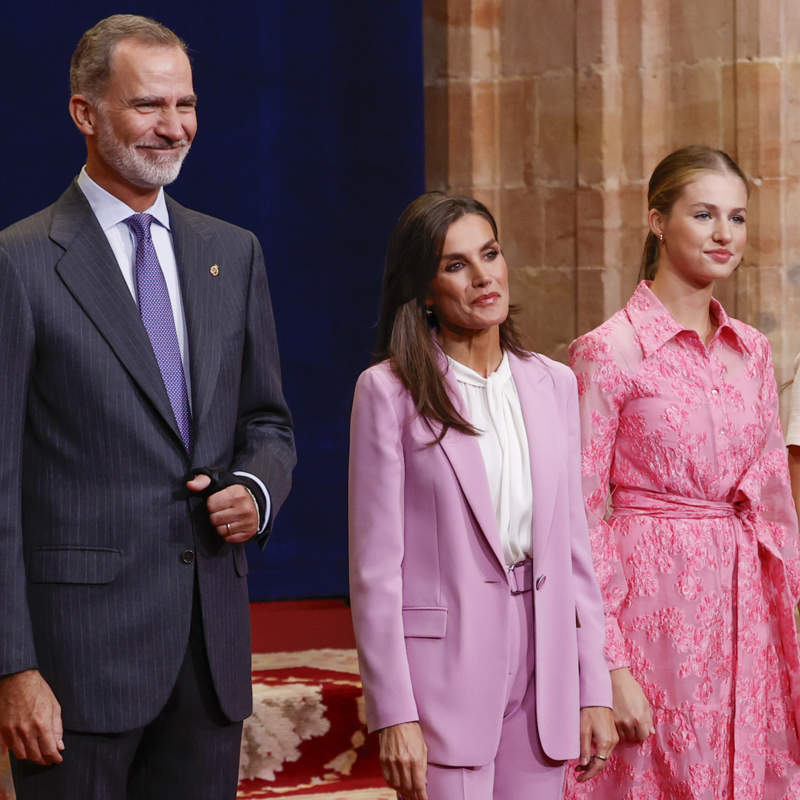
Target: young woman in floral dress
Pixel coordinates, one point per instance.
(692, 524)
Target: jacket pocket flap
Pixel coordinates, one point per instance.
(74, 565)
(427, 623)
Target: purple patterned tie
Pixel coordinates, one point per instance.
(156, 311)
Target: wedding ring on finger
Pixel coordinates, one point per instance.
(602, 758)
(228, 527)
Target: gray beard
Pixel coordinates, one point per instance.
(132, 164)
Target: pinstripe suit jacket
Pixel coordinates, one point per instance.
(94, 515)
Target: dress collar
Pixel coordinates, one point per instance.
(655, 326)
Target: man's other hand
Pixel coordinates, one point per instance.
(30, 718)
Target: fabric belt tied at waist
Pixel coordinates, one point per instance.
(640, 502)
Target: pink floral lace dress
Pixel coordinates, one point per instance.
(695, 544)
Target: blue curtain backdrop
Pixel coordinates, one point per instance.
(310, 134)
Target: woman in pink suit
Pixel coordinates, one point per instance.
(698, 557)
(476, 611)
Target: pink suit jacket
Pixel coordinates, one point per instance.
(428, 581)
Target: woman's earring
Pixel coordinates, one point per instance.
(429, 313)
(660, 237)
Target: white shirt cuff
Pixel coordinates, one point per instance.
(267, 501)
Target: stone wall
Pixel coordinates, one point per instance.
(554, 113)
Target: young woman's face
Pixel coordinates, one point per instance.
(706, 231)
(470, 289)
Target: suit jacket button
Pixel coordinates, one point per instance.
(540, 581)
(187, 556)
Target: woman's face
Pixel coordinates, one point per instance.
(470, 289)
(706, 231)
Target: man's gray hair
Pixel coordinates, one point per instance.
(90, 65)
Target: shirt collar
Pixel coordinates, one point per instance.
(465, 374)
(110, 210)
(655, 326)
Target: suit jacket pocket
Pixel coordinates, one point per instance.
(73, 564)
(425, 622)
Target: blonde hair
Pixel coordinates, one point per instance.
(667, 182)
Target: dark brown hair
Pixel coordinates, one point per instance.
(667, 182)
(405, 329)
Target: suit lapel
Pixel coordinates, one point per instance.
(90, 272)
(542, 418)
(200, 301)
(464, 454)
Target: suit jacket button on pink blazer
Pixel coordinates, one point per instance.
(540, 581)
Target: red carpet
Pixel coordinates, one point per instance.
(300, 625)
(307, 739)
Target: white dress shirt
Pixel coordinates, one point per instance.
(493, 408)
(111, 213)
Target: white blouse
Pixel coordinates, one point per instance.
(493, 407)
(793, 429)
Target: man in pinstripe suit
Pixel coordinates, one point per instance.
(139, 347)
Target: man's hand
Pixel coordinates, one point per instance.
(30, 718)
(232, 510)
(598, 739)
(404, 760)
(632, 713)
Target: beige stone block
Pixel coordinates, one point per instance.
(460, 134)
(760, 299)
(448, 12)
(589, 122)
(537, 37)
(555, 153)
(599, 126)
(629, 32)
(487, 14)
(655, 34)
(522, 233)
(633, 226)
(546, 300)
(560, 227)
(701, 31)
(791, 117)
(632, 122)
(696, 98)
(459, 52)
(589, 18)
(727, 294)
(760, 28)
(485, 134)
(791, 219)
(599, 295)
(590, 227)
(657, 114)
(728, 138)
(434, 40)
(765, 223)
(790, 29)
(758, 118)
(486, 53)
(516, 120)
(437, 137)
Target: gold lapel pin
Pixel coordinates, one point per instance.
(214, 270)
